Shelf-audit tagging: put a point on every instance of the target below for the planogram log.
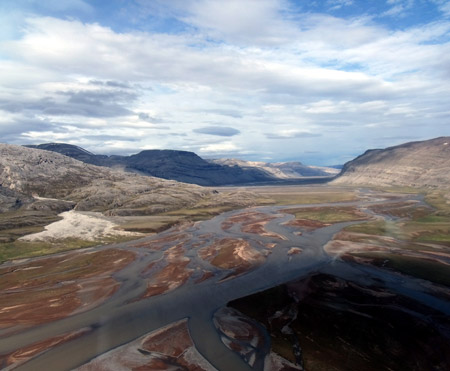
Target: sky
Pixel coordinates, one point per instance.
(264, 80)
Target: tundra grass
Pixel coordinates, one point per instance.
(28, 249)
(440, 201)
(24, 249)
(328, 214)
(300, 197)
(200, 213)
(431, 227)
(22, 222)
(152, 224)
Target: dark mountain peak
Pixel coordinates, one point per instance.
(166, 153)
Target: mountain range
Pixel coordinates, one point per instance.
(188, 167)
(36, 185)
(35, 174)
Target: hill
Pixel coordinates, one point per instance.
(44, 174)
(37, 185)
(414, 164)
(181, 166)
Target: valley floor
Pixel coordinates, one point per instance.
(328, 256)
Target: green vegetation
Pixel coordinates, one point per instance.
(23, 249)
(298, 196)
(328, 214)
(19, 223)
(151, 224)
(200, 213)
(427, 228)
(440, 201)
(377, 227)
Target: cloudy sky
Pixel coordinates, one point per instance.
(274, 80)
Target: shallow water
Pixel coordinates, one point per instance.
(119, 321)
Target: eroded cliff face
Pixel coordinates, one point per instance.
(415, 164)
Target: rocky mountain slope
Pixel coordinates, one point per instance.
(182, 166)
(27, 173)
(280, 170)
(415, 164)
(36, 186)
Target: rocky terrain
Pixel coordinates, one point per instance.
(280, 170)
(37, 185)
(415, 164)
(181, 166)
(44, 174)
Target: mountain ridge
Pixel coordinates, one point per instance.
(188, 167)
(413, 164)
(182, 166)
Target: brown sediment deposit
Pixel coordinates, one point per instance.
(206, 275)
(230, 253)
(252, 222)
(338, 247)
(53, 288)
(407, 209)
(172, 275)
(295, 251)
(348, 242)
(169, 348)
(180, 340)
(307, 224)
(22, 355)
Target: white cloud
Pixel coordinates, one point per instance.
(268, 74)
(338, 4)
(219, 147)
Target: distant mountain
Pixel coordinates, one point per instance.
(280, 170)
(181, 166)
(414, 164)
(189, 167)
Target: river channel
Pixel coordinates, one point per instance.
(122, 319)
